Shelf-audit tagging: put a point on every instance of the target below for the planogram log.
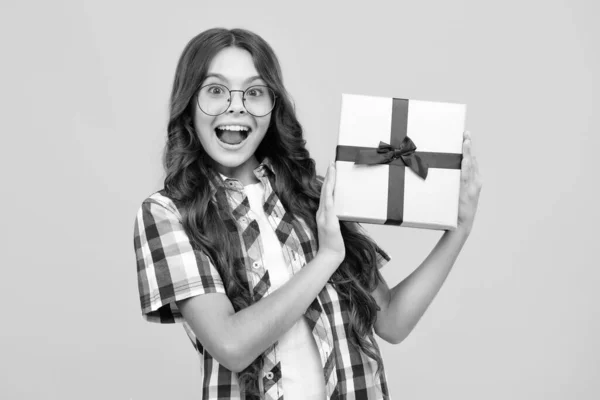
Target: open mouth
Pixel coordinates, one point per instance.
(232, 135)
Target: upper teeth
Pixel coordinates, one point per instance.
(233, 127)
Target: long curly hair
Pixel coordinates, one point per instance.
(189, 174)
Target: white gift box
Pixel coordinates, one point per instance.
(383, 189)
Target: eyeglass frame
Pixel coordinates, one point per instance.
(230, 96)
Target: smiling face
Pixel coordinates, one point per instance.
(234, 68)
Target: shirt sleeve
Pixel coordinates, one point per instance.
(382, 256)
(168, 268)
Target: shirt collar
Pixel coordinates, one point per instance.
(261, 171)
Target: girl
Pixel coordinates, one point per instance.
(280, 299)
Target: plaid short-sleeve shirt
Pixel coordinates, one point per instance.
(169, 269)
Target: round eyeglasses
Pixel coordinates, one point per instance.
(214, 99)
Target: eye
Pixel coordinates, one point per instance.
(255, 91)
(216, 89)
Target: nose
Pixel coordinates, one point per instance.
(237, 103)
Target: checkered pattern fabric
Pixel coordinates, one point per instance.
(169, 269)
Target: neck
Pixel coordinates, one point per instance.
(244, 172)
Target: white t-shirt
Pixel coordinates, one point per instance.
(301, 368)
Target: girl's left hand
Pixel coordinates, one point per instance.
(470, 186)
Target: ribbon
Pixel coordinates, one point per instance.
(386, 153)
(400, 152)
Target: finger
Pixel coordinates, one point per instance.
(333, 180)
(468, 150)
(330, 186)
(470, 154)
(465, 175)
(475, 168)
(467, 144)
(472, 146)
(466, 165)
(466, 135)
(324, 189)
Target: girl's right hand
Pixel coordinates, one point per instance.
(328, 224)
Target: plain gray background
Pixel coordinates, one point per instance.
(84, 95)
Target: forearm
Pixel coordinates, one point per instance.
(258, 326)
(410, 298)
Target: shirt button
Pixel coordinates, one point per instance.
(269, 375)
(256, 265)
(243, 220)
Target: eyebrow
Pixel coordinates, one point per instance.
(215, 75)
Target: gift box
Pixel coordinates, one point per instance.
(398, 162)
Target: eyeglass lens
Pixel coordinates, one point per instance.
(214, 99)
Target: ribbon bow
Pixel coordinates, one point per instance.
(387, 154)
